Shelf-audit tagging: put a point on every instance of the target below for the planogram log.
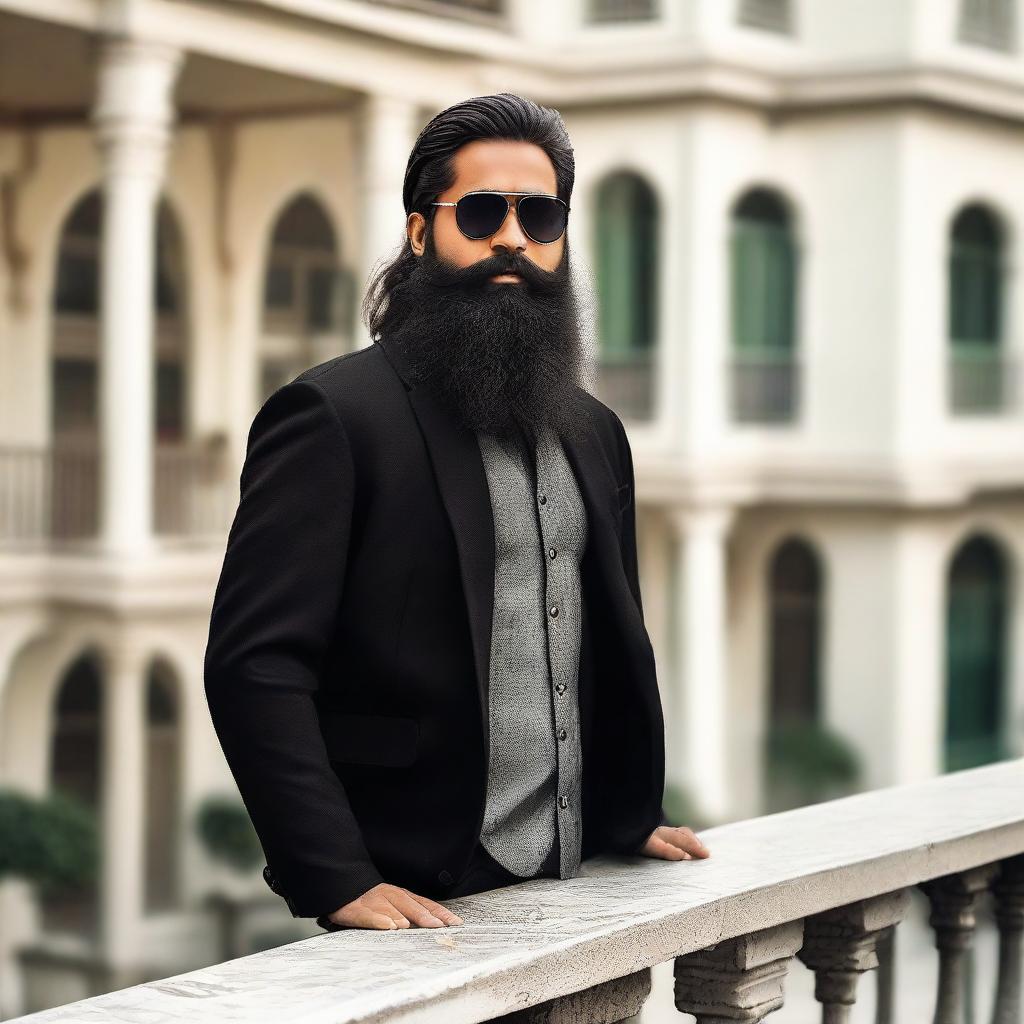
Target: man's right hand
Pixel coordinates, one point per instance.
(391, 906)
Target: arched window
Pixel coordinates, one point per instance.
(976, 654)
(763, 303)
(170, 297)
(309, 298)
(795, 614)
(978, 375)
(625, 219)
(163, 789)
(76, 747)
(75, 370)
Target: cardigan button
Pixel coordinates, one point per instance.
(445, 877)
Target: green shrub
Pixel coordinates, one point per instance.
(51, 842)
(806, 762)
(225, 828)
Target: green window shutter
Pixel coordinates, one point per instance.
(625, 223)
(763, 288)
(975, 278)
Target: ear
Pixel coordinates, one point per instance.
(415, 228)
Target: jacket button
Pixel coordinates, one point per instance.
(445, 877)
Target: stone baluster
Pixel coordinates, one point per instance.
(738, 980)
(1008, 891)
(885, 948)
(840, 945)
(610, 1002)
(952, 899)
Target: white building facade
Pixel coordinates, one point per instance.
(804, 227)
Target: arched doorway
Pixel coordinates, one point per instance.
(75, 372)
(794, 632)
(309, 296)
(977, 600)
(76, 746)
(163, 789)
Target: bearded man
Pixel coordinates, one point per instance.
(427, 663)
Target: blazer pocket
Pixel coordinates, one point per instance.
(388, 740)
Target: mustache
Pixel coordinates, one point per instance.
(443, 274)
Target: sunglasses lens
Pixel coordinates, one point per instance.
(479, 215)
(542, 217)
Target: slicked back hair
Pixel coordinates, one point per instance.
(430, 170)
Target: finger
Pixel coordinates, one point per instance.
(381, 904)
(415, 911)
(665, 850)
(685, 839)
(439, 911)
(362, 916)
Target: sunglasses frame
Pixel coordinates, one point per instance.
(509, 205)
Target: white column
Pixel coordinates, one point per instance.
(123, 804)
(132, 115)
(389, 127)
(698, 727)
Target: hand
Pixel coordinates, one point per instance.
(671, 842)
(390, 906)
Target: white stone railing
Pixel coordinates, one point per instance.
(50, 494)
(824, 883)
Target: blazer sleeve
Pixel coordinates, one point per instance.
(629, 552)
(273, 616)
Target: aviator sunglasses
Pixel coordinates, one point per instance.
(542, 217)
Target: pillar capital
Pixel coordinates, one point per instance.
(713, 521)
(133, 109)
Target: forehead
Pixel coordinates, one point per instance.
(503, 165)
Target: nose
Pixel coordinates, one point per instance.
(509, 234)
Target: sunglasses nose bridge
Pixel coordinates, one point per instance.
(511, 217)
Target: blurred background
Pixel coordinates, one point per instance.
(802, 224)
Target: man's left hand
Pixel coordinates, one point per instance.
(674, 842)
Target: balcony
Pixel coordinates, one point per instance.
(49, 495)
(764, 386)
(827, 884)
(981, 379)
(626, 383)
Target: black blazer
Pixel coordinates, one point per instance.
(346, 669)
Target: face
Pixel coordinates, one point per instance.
(503, 351)
(495, 165)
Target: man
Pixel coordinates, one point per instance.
(427, 663)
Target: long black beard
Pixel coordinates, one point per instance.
(504, 358)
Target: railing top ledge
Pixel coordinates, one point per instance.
(531, 942)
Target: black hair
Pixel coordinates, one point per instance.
(430, 170)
